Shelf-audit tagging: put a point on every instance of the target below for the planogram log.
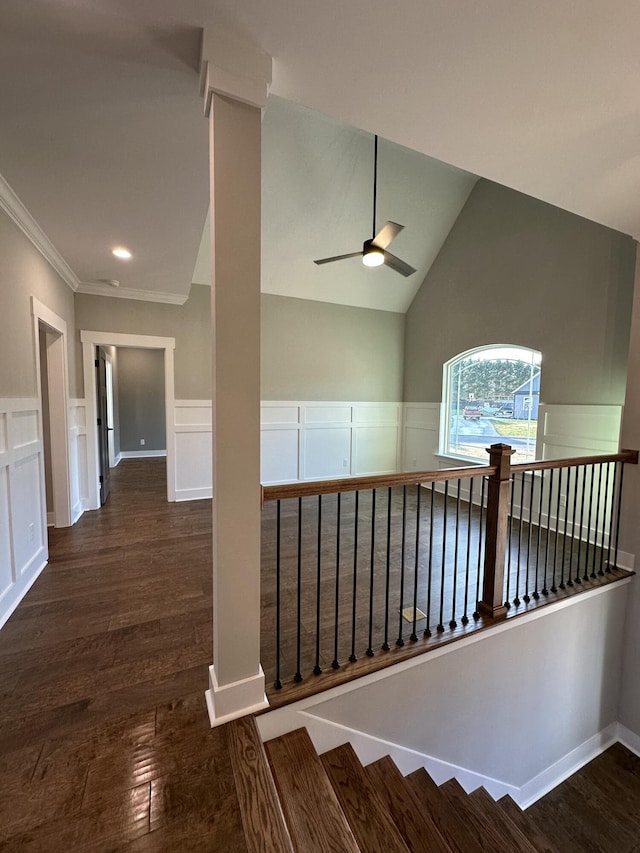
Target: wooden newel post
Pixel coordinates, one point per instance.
(497, 526)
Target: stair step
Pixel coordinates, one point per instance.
(454, 830)
(312, 811)
(483, 830)
(262, 817)
(526, 825)
(366, 811)
(512, 838)
(419, 832)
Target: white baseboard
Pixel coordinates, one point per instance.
(327, 735)
(566, 766)
(76, 511)
(140, 454)
(117, 460)
(194, 494)
(628, 738)
(51, 519)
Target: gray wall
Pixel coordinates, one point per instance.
(189, 324)
(515, 270)
(23, 273)
(141, 399)
(317, 351)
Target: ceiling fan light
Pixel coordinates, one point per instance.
(372, 256)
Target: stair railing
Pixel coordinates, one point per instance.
(371, 568)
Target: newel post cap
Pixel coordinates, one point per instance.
(500, 455)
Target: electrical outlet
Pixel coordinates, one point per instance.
(142, 441)
(563, 500)
(415, 463)
(345, 463)
(32, 530)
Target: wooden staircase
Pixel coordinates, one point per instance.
(293, 799)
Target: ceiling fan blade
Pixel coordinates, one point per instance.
(398, 265)
(386, 234)
(338, 258)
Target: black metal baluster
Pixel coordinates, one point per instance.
(317, 670)
(278, 683)
(612, 517)
(414, 636)
(545, 591)
(607, 477)
(440, 627)
(573, 528)
(476, 612)
(554, 588)
(586, 559)
(385, 645)
(369, 651)
(526, 597)
(400, 640)
(427, 630)
(352, 656)
(298, 676)
(564, 535)
(516, 600)
(336, 663)
(582, 494)
(512, 490)
(465, 618)
(618, 513)
(601, 518)
(452, 622)
(536, 594)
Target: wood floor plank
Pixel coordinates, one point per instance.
(488, 811)
(314, 817)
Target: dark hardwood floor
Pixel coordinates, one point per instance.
(105, 742)
(597, 809)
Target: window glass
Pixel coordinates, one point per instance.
(491, 395)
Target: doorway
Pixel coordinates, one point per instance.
(90, 340)
(51, 357)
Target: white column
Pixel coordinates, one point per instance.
(233, 101)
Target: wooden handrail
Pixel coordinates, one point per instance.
(630, 456)
(381, 481)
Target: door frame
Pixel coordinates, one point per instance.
(90, 340)
(110, 411)
(58, 387)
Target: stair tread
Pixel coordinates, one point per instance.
(312, 811)
(511, 835)
(483, 830)
(262, 817)
(526, 824)
(366, 811)
(420, 833)
(454, 831)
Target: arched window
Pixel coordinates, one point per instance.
(490, 395)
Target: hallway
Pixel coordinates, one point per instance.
(104, 733)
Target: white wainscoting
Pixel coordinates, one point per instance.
(23, 517)
(303, 440)
(78, 473)
(192, 450)
(421, 436)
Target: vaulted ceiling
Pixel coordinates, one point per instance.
(103, 138)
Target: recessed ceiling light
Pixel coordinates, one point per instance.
(121, 252)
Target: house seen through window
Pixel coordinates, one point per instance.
(491, 395)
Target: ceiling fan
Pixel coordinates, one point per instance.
(374, 251)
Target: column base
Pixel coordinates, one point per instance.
(499, 611)
(230, 701)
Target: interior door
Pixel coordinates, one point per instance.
(103, 425)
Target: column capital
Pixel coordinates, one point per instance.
(235, 67)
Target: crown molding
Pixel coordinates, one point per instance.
(18, 213)
(131, 293)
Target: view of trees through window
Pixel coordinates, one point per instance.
(492, 395)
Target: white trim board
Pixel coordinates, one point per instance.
(140, 454)
(91, 339)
